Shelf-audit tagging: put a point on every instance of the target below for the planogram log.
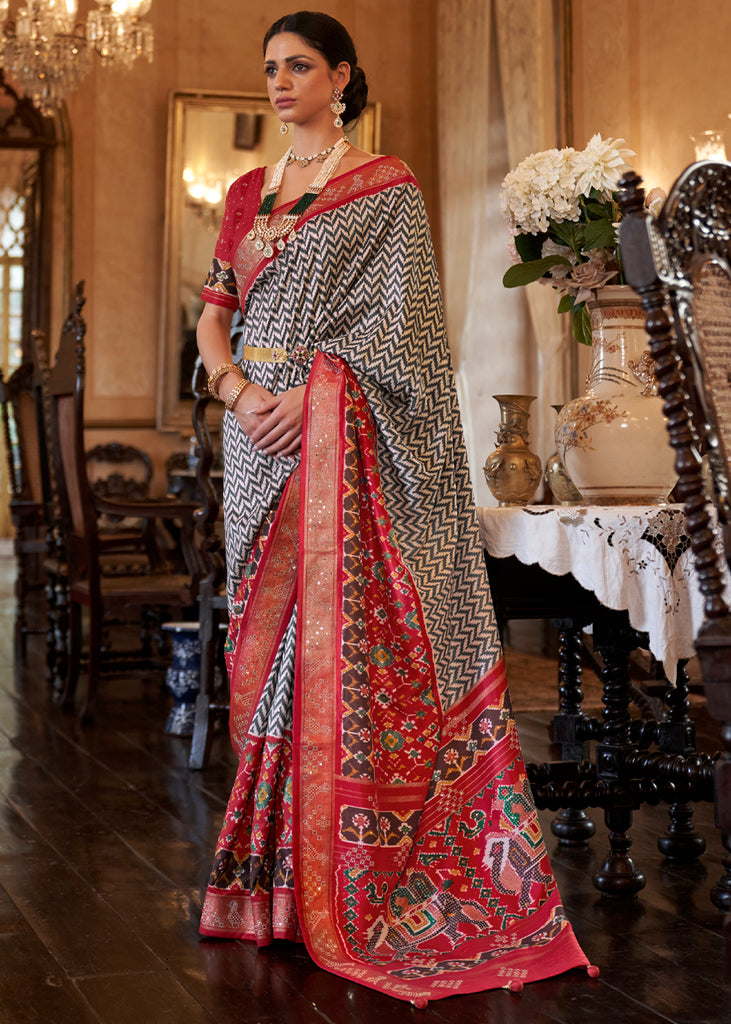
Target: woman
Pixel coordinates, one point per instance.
(381, 810)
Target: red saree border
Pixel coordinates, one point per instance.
(268, 610)
(382, 172)
(318, 630)
(445, 932)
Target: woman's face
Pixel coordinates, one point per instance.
(300, 81)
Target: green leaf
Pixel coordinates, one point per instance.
(581, 324)
(564, 232)
(597, 211)
(524, 273)
(566, 303)
(529, 246)
(599, 234)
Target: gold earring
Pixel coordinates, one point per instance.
(337, 107)
(284, 127)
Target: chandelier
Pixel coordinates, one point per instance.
(48, 52)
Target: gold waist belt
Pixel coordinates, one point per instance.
(261, 354)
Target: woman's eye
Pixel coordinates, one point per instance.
(269, 71)
(301, 67)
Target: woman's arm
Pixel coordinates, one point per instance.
(272, 422)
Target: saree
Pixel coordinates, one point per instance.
(381, 811)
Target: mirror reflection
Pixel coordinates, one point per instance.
(213, 138)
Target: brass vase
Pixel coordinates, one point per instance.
(558, 480)
(513, 471)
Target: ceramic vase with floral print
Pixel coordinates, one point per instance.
(513, 471)
(613, 440)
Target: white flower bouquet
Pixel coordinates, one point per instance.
(560, 208)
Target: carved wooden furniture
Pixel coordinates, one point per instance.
(55, 560)
(623, 758)
(123, 472)
(88, 587)
(22, 432)
(680, 264)
(212, 602)
(119, 471)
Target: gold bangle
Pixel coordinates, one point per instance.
(236, 393)
(215, 376)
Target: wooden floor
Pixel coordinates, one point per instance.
(105, 845)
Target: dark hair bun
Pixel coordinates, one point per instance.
(355, 95)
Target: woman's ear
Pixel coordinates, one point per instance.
(342, 75)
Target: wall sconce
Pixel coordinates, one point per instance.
(709, 145)
(205, 196)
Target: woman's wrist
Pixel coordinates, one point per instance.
(227, 384)
(220, 374)
(236, 392)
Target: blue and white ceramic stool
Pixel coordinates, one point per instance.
(183, 677)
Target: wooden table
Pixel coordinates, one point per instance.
(626, 573)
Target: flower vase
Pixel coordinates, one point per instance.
(558, 480)
(613, 440)
(513, 471)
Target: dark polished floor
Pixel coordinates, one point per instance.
(105, 844)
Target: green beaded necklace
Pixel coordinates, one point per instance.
(267, 238)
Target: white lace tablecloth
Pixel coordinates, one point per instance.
(636, 558)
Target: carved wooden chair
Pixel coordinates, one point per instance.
(212, 604)
(22, 432)
(123, 472)
(103, 596)
(680, 264)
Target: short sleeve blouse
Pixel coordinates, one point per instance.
(242, 204)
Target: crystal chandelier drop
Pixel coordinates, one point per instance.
(47, 51)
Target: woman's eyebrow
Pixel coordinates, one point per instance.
(287, 60)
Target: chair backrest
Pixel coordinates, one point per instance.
(116, 470)
(24, 440)
(680, 264)
(66, 401)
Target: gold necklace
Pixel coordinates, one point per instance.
(261, 233)
(303, 161)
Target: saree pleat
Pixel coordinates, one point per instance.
(250, 892)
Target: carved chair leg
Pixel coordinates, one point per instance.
(151, 635)
(21, 592)
(62, 643)
(72, 662)
(51, 615)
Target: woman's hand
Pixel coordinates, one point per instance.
(272, 422)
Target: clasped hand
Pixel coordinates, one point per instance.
(272, 422)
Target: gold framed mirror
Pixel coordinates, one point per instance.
(213, 138)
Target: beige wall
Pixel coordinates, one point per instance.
(654, 72)
(118, 131)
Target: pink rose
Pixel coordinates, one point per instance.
(588, 276)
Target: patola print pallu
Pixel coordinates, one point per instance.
(381, 811)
